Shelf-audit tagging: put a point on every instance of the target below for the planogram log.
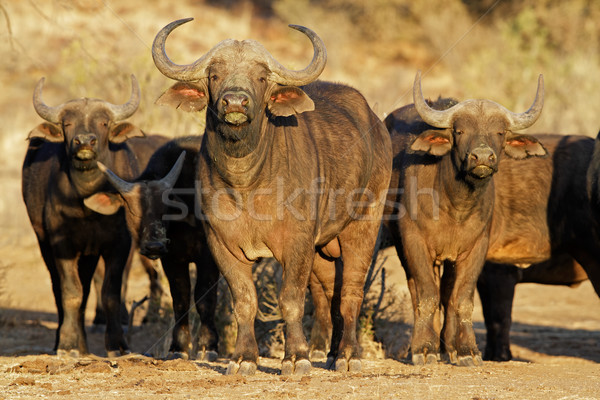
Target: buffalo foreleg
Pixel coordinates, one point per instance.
(178, 275)
(115, 261)
(459, 290)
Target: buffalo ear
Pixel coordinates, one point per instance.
(289, 100)
(436, 143)
(48, 132)
(123, 131)
(523, 146)
(104, 203)
(187, 96)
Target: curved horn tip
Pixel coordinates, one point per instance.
(181, 21)
(298, 27)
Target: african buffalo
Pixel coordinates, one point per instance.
(442, 187)
(545, 214)
(59, 171)
(160, 214)
(290, 168)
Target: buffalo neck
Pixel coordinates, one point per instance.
(87, 182)
(237, 168)
(461, 197)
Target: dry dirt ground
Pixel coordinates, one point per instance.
(555, 342)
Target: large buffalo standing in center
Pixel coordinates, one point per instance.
(289, 168)
(60, 170)
(442, 182)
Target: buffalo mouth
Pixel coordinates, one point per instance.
(85, 154)
(236, 118)
(482, 171)
(84, 159)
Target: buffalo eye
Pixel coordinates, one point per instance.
(501, 133)
(214, 78)
(458, 131)
(262, 79)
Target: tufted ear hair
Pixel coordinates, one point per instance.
(47, 131)
(123, 131)
(104, 203)
(520, 146)
(185, 95)
(289, 100)
(434, 142)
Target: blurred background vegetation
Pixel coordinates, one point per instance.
(491, 49)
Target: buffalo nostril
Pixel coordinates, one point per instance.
(77, 142)
(93, 142)
(224, 102)
(245, 101)
(492, 157)
(473, 157)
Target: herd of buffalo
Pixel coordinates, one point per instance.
(303, 171)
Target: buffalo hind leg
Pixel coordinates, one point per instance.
(205, 295)
(496, 287)
(296, 273)
(357, 242)
(320, 335)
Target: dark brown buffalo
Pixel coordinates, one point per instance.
(160, 211)
(545, 214)
(444, 192)
(59, 171)
(289, 168)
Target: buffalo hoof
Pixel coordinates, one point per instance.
(73, 353)
(451, 357)
(470, 361)
(244, 368)
(318, 355)
(207, 355)
(422, 359)
(300, 367)
(343, 365)
(177, 355)
(502, 356)
(117, 353)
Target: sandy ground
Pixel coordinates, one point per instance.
(555, 342)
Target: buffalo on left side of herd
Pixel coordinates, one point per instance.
(59, 171)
